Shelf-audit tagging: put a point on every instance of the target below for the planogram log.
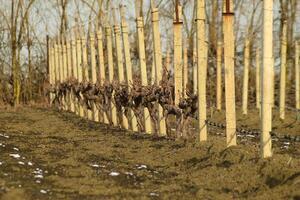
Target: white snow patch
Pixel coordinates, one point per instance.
(114, 174)
(43, 191)
(14, 155)
(21, 163)
(129, 173)
(39, 176)
(153, 194)
(142, 167)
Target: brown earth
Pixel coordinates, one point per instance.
(65, 157)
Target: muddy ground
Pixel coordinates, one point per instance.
(47, 154)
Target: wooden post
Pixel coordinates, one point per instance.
(283, 70)
(61, 63)
(219, 76)
(266, 107)
(74, 67)
(168, 60)
(65, 70)
(56, 57)
(79, 68)
(246, 75)
(297, 75)
(273, 84)
(202, 68)
(65, 59)
(185, 71)
(158, 62)
(128, 63)
(258, 89)
(228, 20)
(86, 77)
(195, 71)
(108, 33)
(94, 73)
(142, 62)
(102, 79)
(153, 71)
(177, 27)
(69, 56)
(61, 67)
(52, 69)
(118, 45)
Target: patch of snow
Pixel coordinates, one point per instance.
(16, 149)
(30, 163)
(114, 173)
(39, 176)
(129, 173)
(153, 194)
(43, 191)
(21, 163)
(142, 167)
(14, 155)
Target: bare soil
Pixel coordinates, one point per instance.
(48, 154)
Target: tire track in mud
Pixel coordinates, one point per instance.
(76, 159)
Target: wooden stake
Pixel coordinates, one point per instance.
(65, 60)
(118, 44)
(69, 56)
(126, 46)
(185, 71)
(195, 71)
(74, 67)
(86, 77)
(266, 107)
(178, 53)
(202, 68)
(153, 71)
(108, 33)
(283, 70)
(61, 67)
(61, 63)
(168, 60)
(79, 68)
(258, 89)
(228, 20)
(65, 71)
(246, 76)
(94, 73)
(219, 76)
(56, 57)
(102, 116)
(158, 62)
(52, 69)
(297, 74)
(142, 62)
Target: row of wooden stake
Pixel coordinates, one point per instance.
(70, 59)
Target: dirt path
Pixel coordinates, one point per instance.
(45, 154)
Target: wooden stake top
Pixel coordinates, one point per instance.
(228, 7)
(178, 13)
